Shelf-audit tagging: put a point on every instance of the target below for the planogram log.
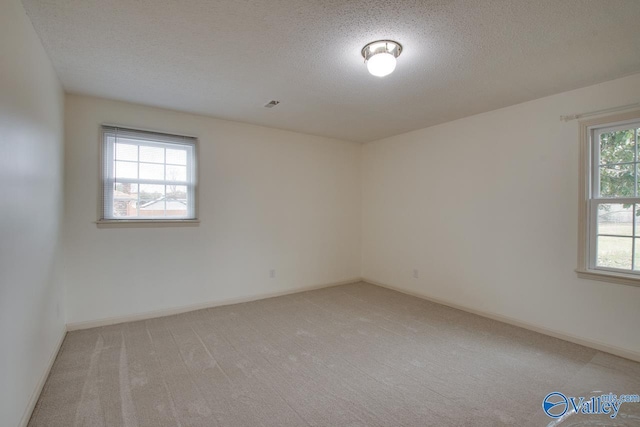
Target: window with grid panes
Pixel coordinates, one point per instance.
(147, 175)
(614, 198)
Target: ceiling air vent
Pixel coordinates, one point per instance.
(272, 104)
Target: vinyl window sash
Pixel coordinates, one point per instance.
(593, 232)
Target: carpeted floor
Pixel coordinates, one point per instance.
(352, 355)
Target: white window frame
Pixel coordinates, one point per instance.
(107, 179)
(589, 200)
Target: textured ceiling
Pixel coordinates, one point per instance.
(227, 58)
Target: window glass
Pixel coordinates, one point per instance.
(147, 175)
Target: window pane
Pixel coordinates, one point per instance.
(636, 256)
(176, 208)
(617, 181)
(126, 152)
(150, 192)
(151, 154)
(615, 218)
(151, 171)
(177, 157)
(178, 192)
(614, 252)
(151, 200)
(176, 200)
(131, 189)
(126, 170)
(125, 198)
(176, 173)
(617, 147)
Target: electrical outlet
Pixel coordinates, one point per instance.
(272, 274)
(415, 273)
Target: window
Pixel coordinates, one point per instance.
(147, 176)
(610, 212)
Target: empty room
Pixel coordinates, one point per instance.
(319, 213)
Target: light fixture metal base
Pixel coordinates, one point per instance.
(381, 46)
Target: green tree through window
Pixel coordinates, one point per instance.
(618, 157)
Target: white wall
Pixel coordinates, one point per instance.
(269, 199)
(486, 208)
(31, 150)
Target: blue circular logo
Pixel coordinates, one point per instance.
(555, 404)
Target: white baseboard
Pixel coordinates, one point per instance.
(192, 307)
(627, 354)
(35, 395)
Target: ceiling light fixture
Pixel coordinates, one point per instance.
(380, 56)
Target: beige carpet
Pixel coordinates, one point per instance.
(352, 355)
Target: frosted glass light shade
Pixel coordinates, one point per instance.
(381, 64)
(380, 56)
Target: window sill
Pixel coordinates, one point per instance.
(146, 223)
(611, 277)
